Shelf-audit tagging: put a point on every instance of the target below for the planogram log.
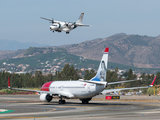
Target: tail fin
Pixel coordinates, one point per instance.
(102, 70)
(79, 21)
(9, 83)
(153, 81)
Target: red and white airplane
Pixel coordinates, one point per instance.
(84, 90)
(65, 26)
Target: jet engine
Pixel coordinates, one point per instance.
(55, 26)
(45, 97)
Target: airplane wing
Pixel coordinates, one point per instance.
(82, 25)
(46, 19)
(111, 83)
(93, 82)
(105, 83)
(53, 21)
(113, 90)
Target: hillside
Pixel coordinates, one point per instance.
(50, 60)
(133, 50)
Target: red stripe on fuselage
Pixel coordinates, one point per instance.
(45, 86)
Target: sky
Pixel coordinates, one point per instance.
(20, 19)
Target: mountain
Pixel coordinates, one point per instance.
(49, 60)
(134, 50)
(131, 50)
(15, 45)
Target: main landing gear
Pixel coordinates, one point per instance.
(67, 32)
(61, 101)
(85, 101)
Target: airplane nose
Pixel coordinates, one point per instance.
(51, 27)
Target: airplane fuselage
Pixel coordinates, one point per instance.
(74, 89)
(62, 26)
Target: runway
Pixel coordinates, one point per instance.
(29, 107)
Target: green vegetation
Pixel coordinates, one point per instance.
(70, 73)
(32, 50)
(89, 74)
(61, 56)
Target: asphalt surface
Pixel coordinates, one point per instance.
(29, 107)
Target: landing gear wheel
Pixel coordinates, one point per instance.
(85, 101)
(62, 102)
(67, 32)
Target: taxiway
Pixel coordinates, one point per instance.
(29, 107)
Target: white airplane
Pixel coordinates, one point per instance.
(65, 26)
(81, 89)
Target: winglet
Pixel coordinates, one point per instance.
(9, 82)
(153, 81)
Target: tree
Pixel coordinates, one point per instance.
(68, 73)
(112, 77)
(38, 79)
(157, 82)
(116, 69)
(89, 74)
(131, 76)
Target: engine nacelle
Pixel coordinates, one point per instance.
(45, 97)
(55, 26)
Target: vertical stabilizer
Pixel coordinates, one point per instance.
(9, 86)
(79, 21)
(153, 81)
(102, 70)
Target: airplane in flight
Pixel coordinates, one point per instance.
(81, 89)
(65, 26)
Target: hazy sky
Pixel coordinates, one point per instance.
(20, 19)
